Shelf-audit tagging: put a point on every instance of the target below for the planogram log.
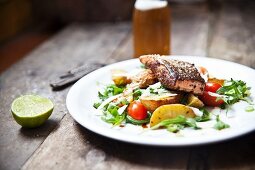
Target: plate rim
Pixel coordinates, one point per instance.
(127, 140)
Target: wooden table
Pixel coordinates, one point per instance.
(225, 31)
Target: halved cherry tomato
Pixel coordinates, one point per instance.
(210, 100)
(212, 87)
(208, 97)
(137, 110)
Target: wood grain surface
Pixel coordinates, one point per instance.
(215, 30)
(78, 44)
(232, 32)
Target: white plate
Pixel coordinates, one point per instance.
(83, 94)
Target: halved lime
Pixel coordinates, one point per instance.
(31, 110)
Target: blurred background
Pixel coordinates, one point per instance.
(27, 23)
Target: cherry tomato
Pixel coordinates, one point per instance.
(137, 110)
(208, 98)
(212, 87)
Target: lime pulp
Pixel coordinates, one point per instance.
(31, 110)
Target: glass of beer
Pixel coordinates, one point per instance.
(151, 27)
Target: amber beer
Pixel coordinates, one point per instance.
(151, 27)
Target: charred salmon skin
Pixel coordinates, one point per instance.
(175, 74)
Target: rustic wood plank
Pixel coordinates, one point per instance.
(232, 36)
(247, 9)
(124, 50)
(71, 146)
(237, 154)
(71, 48)
(231, 39)
(82, 149)
(74, 147)
(190, 29)
(199, 158)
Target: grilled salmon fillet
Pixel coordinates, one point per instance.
(174, 74)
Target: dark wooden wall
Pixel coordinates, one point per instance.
(17, 15)
(84, 10)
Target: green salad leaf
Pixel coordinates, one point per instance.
(175, 127)
(97, 104)
(111, 111)
(249, 108)
(137, 93)
(157, 89)
(234, 91)
(111, 114)
(110, 90)
(220, 124)
(205, 117)
(138, 122)
(177, 123)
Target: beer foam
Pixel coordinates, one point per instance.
(149, 4)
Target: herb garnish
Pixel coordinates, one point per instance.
(234, 91)
(111, 111)
(177, 123)
(205, 117)
(137, 93)
(110, 90)
(97, 104)
(175, 127)
(129, 119)
(157, 89)
(111, 114)
(249, 108)
(219, 124)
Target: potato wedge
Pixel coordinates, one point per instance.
(120, 77)
(154, 101)
(194, 101)
(170, 111)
